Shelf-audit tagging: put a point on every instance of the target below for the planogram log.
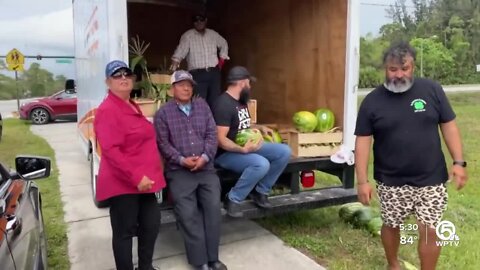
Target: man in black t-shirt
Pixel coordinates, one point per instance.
(403, 116)
(260, 164)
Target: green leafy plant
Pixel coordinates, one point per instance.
(151, 90)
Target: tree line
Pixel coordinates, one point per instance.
(445, 34)
(33, 82)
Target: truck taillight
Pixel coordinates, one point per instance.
(307, 178)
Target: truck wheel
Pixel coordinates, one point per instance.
(93, 179)
(39, 116)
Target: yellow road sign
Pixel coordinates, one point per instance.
(15, 60)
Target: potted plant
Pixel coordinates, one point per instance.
(161, 78)
(154, 92)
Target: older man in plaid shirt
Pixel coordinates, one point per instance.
(187, 138)
(200, 47)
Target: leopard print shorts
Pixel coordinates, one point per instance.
(427, 203)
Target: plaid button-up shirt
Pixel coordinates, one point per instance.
(181, 136)
(201, 50)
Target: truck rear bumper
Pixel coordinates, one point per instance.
(288, 203)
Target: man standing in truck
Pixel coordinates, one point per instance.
(200, 46)
(187, 138)
(403, 116)
(259, 164)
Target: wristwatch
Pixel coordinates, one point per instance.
(460, 163)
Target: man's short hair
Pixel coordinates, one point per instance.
(398, 51)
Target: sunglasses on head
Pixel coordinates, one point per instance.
(199, 19)
(121, 74)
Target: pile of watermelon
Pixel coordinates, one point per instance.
(322, 120)
(361, 217)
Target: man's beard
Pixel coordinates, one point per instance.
(398, 85)
(244, 96)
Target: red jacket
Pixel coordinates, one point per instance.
(128, 149)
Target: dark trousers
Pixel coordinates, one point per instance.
(208, 84)
(130, 215)
(196, 199)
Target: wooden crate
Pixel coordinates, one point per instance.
(160, 78)
(252, 108)
(312, 144)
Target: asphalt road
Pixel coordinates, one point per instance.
(7, 107)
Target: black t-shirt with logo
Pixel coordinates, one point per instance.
(405, 128)
(229, 112)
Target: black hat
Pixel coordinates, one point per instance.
(239, 73)
(199, 17)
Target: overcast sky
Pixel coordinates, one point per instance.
(45, 27)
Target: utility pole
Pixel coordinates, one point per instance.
(18, 94)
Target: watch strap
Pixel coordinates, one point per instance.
(460, 163)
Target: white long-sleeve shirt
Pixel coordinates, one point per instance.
(201, 50)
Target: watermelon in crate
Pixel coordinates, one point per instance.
(325, 120)
(304, 121)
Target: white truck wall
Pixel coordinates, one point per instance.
(100, 29)
(352, 65)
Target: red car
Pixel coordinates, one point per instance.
(61, 105)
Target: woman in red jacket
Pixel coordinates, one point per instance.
(130, 170)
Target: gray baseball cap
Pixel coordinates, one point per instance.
(182, 75)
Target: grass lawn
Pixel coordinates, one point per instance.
(17, 139)
(324, 237)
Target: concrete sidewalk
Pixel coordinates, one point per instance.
(244, 244)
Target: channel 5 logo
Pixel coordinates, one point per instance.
(446, 232)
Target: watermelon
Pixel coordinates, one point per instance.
(276, 137)
(325, 120)
(305, 121)
(268, 138)
(244, 135)
(374, 226)
(362, 216)
(348, 210)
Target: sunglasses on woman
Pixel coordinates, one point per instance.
(122, 74)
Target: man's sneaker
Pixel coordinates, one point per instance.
(260, 199)
(202, 267)
(233, 208)
(153, 268)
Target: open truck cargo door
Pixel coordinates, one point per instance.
(304, 54)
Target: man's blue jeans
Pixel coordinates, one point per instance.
(261, 168)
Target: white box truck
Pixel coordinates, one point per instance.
(305, 54)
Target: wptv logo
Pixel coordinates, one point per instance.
(446, 233)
